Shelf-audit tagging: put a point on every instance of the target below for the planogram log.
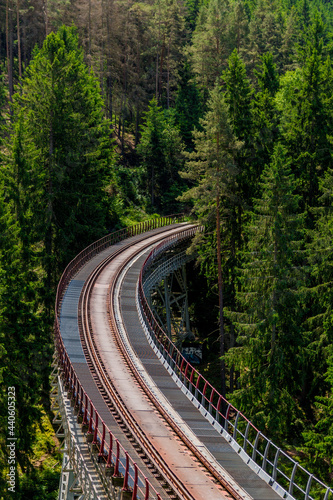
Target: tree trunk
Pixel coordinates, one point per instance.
(19, 38)
(9, 44)
(161, 69)
(220, 284)
(220, 279)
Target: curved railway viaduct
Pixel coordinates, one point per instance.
(137, 421)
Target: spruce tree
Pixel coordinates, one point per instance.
(318, 439)
(264, 115)
(160, 151)
(269, 314)
(212, 171)
(24, 339)
(66, 146)
(305, 102)
(319, 382)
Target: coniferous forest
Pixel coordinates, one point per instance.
(114, 111)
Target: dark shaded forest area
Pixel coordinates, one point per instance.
(112, 112)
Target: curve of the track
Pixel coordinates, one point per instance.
(110, 323)
(175, 454)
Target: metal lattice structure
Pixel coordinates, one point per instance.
(80, 479)
(166, 292)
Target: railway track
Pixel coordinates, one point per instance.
(172, 485)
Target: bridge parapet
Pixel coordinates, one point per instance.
(285, 475)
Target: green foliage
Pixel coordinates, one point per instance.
(43, 481)
(305, 104)
(57, 195)
(265, 117)
(160, 150)
(212, 174)
(188, 107)
(268, 320)
(60, 187)
(238, 96)
(318, 439)
(210, 48)
(61, 135)
(238, 93)
(24, 336)
(211, 165)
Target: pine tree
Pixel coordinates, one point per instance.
(211, 43)
(66, 146)
(211, 168)
(188, 106)
(305, 104)
(318, 440)
(319, 320)
(160, 150)
(264, 115)
(266, 29)
(24, 340)
(238, 95)
(271, 346)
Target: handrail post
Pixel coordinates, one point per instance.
(226, 418)
(85, 415)
(91, 417)
(125, 485)
(292, 478)
(276, 459)
(135, 485)
(308, 486)
(235, 426)
(101, 450)
(211, 401)
(96, 428)
(109, 460)
(246, 435)
(147, 489)
(264, 460)
(197, 387)
(254, 453)
(116, 469)
(204, 394)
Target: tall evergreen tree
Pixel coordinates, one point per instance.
(160, 150)
(210, 47)
(271, 344)
(264, 115)
(318, 437)
(24, 340)
(305, 102)
(188, 106)
(67, 150)
(212, 170)
(238, 95)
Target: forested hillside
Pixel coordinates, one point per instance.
(111, 111)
